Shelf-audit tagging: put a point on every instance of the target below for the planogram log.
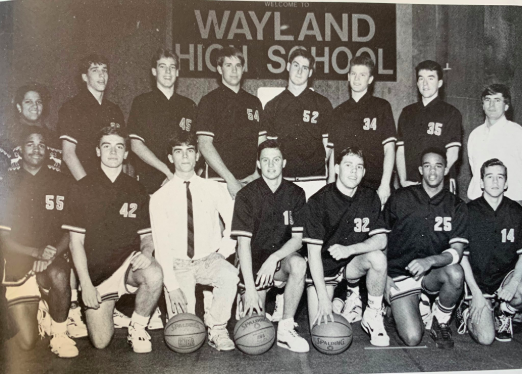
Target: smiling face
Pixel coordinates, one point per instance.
(494, 182)
(271, 163)
(165, 72)
(350, 171)
(184, 158)
(428, 83)
(96, 77)
(432, 170)
(494, 106)
(299, 71)
(359, 78)
(31, 106)
(112, 151)
(33, 151)
(231, 71)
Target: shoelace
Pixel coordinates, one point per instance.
(505, 322)
(463, 328)
(445, 331)
(142, 334)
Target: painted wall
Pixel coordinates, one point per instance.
(479, 44)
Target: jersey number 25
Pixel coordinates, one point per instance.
(442, 224)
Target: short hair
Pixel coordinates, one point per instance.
(303, 53)
(45, 96)
(269, 143)
(163, 53)
(183, 137)
(492, 162)
(437, 151)
(27, 131)
(496, 88)
(349, 151)
(229, 52)
(364, 60)
(429, 65)
(92, 59)
(114, 129)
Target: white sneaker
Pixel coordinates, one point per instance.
(289, 339)
(44, 319)
(218, 338)
(76, 328)
(139, 339)
(351, 309)
(155, 322)
(120, 320)
(425, 311)
(373, 324)
(63, 346)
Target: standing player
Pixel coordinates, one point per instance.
(428, 233)
(428, 123)
(496, 138)
(345, 236)
(33, 243)
(367, 122)
(111, 244)
(493, 265)
(82, 117)
(157, 116)
(296, 117)
(228, 125)
(268, 237)
(185, 217)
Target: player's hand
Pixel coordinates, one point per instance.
(252, 303)
(178, 301)
(41, 265)
(387, 291)
(324, 311)
(339, 252)
(507, 292)
(409, 183)
(384, 193)
(48, 253)
(419, 267)
(233, 188)
(247, 180)
(141, 261)
(91, 297)
(265, 275)
(476, 307)
(453, 186)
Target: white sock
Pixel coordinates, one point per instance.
(374, 302)
(286, 324)
(140, 320)
(443, 313)
(506, 308)
(58, 328)
(74, 296)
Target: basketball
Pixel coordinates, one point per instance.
(185, 333)
(332, 338)
(254, 335)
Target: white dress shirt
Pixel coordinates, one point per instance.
(503, 140)
(168, 215)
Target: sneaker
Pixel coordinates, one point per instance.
(76, 328)
(63, 346)
(504, 327)
(373, 324)
(441, 334)
(44, 319)
(461, 318)
(218, 338)
(425, 311)
(139, 339)
(120, 320)
(351, 309)
(155, 322)
(278, 310)
(290, 339)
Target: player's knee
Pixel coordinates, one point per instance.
(297, 266)
(60, 278)
(153, 275)
(100, 342)
(26, 341)
(454, 275)
(377, 260)
(411, 337)
(227, 277)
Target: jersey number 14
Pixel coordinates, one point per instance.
(508, 235)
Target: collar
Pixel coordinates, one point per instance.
(87, 96)
(104, 179)
(229, 91)
(265, 188)
(363, 98)
(178, 181)
(158, 93)
(482, 201)
(432, 103)
(503, 121)
(339, 193)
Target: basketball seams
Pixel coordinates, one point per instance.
(255, 331)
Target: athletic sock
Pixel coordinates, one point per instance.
(374, 302)
(140, 320)
(58, 327)
(507, 308)
(286, 324)
(74, 297)
(443, 313)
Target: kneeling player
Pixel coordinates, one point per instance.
(428, 233)
(268, 238)
(493, 265)
(345, 234)
(111, 244)
(31, 213)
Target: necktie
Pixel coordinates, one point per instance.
(190, 224)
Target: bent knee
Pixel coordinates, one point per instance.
(26, 343)
(411, 338)
(297, 266)
(153, 274)
(227, 276)
(377, 260)
(100, 343)
(455, 275)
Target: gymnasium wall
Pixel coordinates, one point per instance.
(47, 38)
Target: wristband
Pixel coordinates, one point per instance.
(454, 254)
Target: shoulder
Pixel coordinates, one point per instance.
(379, 101)
(513, 206)
(515, 127)
(249, 98)
(410, 108)
(185, 101)
(449, 108)
(251, 189)
(322, 194)
(72, 103)
(476, 131)
(143, 98)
